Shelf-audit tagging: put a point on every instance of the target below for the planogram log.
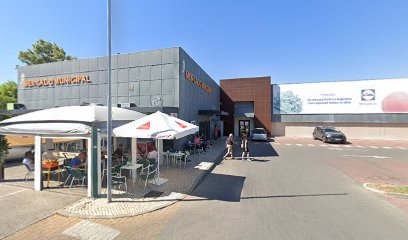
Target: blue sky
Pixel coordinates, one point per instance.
(291, 41)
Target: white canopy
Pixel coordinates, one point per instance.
(50, 129)
(64, 121)
(157, 125)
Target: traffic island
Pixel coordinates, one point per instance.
(387, 188)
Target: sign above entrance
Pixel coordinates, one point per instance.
(57, 81)
(190, 77)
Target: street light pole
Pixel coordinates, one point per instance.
(109, 123)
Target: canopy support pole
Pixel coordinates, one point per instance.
(158, 180)
(134, 157)
(99, 161)
(37, 164)
(93, 176)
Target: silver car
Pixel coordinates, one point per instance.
(259, 134)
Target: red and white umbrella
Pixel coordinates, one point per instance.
(159, 126)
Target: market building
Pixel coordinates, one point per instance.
(362, 109)
(168, 80)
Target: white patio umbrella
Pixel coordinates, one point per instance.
(64, 121)
(159, 126)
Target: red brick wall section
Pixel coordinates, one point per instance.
(257, 90)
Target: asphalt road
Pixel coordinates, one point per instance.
(289, 192)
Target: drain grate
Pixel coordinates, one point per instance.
(153, 194)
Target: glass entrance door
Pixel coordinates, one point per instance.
(244, 127)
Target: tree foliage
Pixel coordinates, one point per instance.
(3, 147)
(8, 93)
(44, 52)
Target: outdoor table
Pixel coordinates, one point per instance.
(176, 155)
(133, 167)
(51, 166)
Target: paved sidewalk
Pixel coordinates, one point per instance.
(131, 203)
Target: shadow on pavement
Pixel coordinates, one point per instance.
(221, 187)
(261, 149)
(17, 180)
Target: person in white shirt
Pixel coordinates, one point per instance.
(153, 154)
(28, 160)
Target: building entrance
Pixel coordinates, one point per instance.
(244, 127)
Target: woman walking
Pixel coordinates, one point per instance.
(229, 143)
(245, 148)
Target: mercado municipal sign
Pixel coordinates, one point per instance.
(190, 77)
(57, 81)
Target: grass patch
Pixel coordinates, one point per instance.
(388, 188)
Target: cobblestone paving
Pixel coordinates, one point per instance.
(129, 227)
(180, 181)
(89, 230)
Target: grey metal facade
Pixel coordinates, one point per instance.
(148, 79)
(152, 80)
(136, 77)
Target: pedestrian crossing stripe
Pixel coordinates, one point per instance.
(340, 146)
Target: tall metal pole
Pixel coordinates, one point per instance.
(109, 124)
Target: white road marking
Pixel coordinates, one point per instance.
(358, 146)
(372, 147)
(347, 146)
(310, 145)
(288, 144)
(9, 194)
(298, 144)
(323, 145)
(337, 146)
(387, 147)
(362, 156)
(402, 148)
(337, 149)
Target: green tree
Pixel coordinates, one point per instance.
(44, 52)
(8, 93)
(3, 148)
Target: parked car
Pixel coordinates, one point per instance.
(259, 134)
(329, 134)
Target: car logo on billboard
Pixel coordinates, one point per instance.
(367, 94)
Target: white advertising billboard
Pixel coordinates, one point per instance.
(368, 96)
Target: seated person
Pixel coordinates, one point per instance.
(28, 160)
(197, 140)
(77, 161)
(118, 153)
(153, 154)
